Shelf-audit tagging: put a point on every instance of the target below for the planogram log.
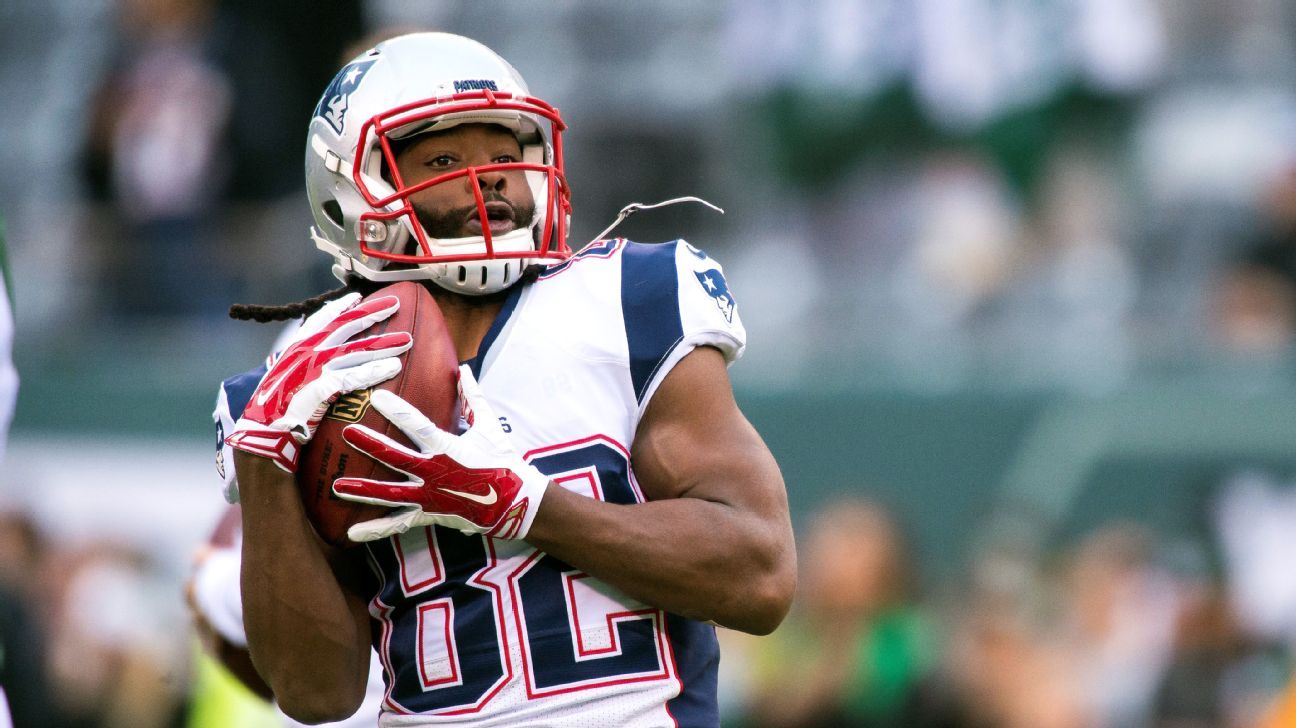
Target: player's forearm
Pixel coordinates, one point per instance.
(305, 633)
(692, 557)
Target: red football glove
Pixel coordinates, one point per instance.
(320, 364)
(475, 482)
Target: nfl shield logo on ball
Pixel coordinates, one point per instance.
(350, 406)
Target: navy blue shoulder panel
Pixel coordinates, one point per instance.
(239, 389)
(650, 308)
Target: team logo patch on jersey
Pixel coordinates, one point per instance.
(220, 449)
(349, 407)
(713, 282)
(333, 104)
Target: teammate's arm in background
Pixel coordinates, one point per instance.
(212, 595)
(714, 541)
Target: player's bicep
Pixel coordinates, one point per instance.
(694, 442)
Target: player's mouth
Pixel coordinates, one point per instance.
(499, 215)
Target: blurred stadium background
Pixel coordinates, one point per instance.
(1019, 278)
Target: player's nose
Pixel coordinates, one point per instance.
(491, 180)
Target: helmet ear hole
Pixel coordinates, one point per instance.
(333, 211)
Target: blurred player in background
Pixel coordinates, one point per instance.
(8, 375)
(560, 560)
(213, 595)
(16, 666)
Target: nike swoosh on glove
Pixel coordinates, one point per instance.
(322, 362)
(475, 482)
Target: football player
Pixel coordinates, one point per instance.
(563, 558)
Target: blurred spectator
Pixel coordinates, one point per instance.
(1082, 647)
(857, 640)
(1252, 309)
(1119, 608)
(1233, 650)
(198, 112)
(277, 66)
(23, 633)
(1254, 520)
(157, 150)
(116, 654)
(22, 552)
(1001, 664)
(998, 670)
(1218, 675)
(24, 695)
(953, 168)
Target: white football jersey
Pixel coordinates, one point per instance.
(486, 632)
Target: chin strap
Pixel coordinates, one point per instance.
(634, 207)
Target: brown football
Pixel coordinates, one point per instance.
(428, 379)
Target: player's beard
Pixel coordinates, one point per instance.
(451, 223)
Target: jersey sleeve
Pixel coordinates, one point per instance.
(674, 298)
(231, 398)
(216, 594)
(708, 309)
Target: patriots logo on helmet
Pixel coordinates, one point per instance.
(332, 105)
(713, 282)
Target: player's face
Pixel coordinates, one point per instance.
(449, 210)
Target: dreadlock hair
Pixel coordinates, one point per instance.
(265, 314)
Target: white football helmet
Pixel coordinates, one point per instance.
(409, 85)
